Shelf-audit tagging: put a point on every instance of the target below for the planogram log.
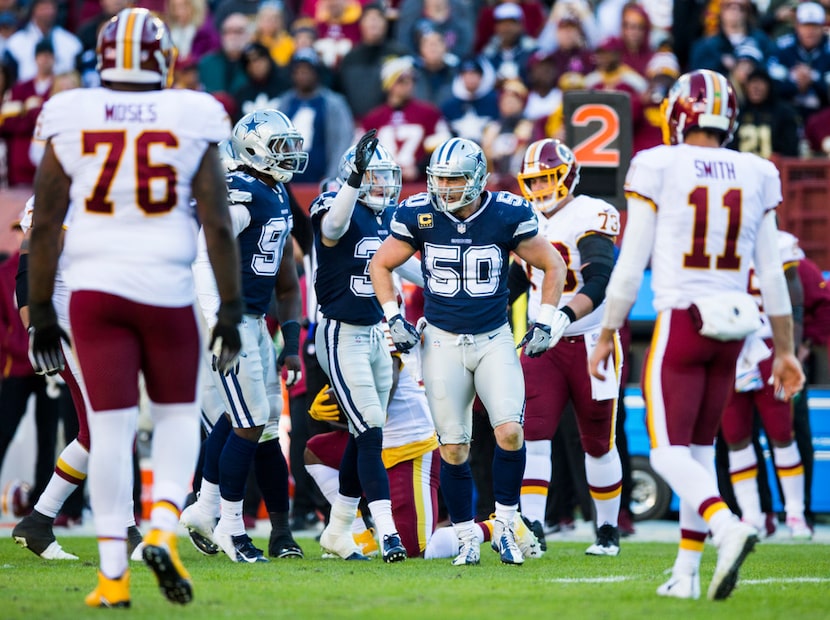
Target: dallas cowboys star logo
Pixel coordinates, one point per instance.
(252, 125)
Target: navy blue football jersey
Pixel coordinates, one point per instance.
(261, 244)
(465, 262)
(344, 290)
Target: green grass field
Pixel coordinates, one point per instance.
(778, 581)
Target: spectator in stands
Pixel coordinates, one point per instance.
(635, 32)
(452, 18)
(87, 32)
(186, 74)
(20, 110)
(510, 46)
(532, 21)
(358, 76)
(409, 128)
(222, 71)
(20, 48)
(717, 52)
(572, 54)
(266, 81)
(747, 58)
(435, 68)
(271, 30)
(801, 68)
(544, 94)
(8, 26)
(319, 114)
(505, 138)
(779, 18)
(766, 126)
(661, 72)
(474, 101)
(575, 11)
(338, 29)
(191, 28)
(817, 132)
(222, 8)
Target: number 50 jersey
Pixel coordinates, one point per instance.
(710, 205)
(132, 157)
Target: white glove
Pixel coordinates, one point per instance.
(541, 337)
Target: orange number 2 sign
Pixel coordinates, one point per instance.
(595, 150)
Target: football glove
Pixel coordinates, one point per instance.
(363, 153)
(45, 352)
(225, 341)
(325, 407)
(403, 333)
(540, 337)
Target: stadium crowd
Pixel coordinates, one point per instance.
(470, 68)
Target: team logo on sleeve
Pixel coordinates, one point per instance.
(425, 220)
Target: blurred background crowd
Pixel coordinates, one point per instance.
(420, 70)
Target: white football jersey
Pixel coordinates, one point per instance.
(791, 254)
(580, 217)
(710, 204)
(131, 157)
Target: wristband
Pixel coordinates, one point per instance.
(568, 312)
(545, 316)
(390, 310)
(355, 180)
(21, 285)
(291, 337)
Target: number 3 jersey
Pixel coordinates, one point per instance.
(581, 217)
(710, 203)
(465, 262)
(132, 157)
(341, 280)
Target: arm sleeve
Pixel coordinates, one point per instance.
(771, 278)
(634, 256)
(336, 222)
(597, 254)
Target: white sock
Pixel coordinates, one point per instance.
(175, 452)
(111, 483)
(73, 463)
(693, 532)
(790, 472)
(209, 498)
(604, 475)
(327, 479)
(381, 510)
(506, 513)
(343, 512)
(442, 544)
(743, 472)
(536, 480)
(230, 517)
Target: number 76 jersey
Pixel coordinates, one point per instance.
(131, 157)
(710, 203)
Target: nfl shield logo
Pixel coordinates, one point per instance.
(462, 228)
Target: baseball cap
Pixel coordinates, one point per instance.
(393, 69)
(810, 13)
(508, 10)
(610, 44)
(306, 54)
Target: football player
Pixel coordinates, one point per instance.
(465, 235)
(268, 152)
(701, 213)
(583, 230)
(127, 158)
(349, 226)
(753, 391)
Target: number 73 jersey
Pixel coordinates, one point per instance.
(131, 157)
(710, 203)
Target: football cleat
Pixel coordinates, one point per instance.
(505, 544)
(367, 543)
(468, 552)
(200, 529)
(238, 548)
(608, 541)
(35, 533)
(112, 593)
(284, 546)
(681, 586)
(162, 557)
(530, 536)
(393, 549)
(799, 530)
(342, 546)
(734, 544)
(135, 544)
